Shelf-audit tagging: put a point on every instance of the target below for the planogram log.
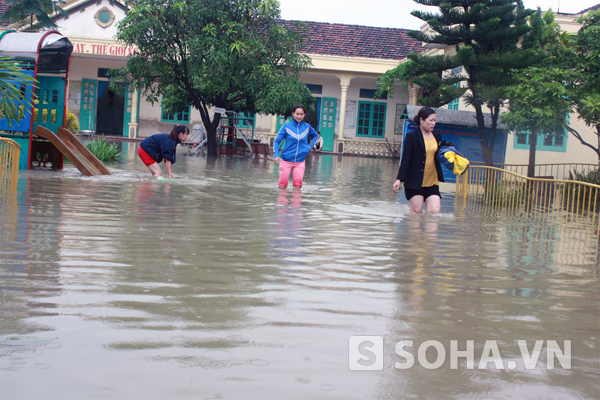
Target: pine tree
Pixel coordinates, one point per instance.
(485, 34)
(33, 14)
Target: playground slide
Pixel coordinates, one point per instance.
(70, 138)
(74, 150)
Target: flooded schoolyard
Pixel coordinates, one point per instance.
(219, 285)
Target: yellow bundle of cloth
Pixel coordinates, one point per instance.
(453, 159)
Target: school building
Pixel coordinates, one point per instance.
(346, 60)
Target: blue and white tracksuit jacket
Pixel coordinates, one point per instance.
(296, 141)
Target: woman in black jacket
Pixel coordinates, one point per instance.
(420, 171)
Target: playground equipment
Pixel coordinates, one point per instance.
(9, 165)
(235, 136)
(196, 141)
(45, 57)
(68, 145)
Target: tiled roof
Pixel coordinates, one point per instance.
(358, 41)
(3, 7)
(592, 8)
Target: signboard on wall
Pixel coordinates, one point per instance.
(466, 139)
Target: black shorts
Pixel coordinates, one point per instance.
(423, 191)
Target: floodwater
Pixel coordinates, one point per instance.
(221, 286)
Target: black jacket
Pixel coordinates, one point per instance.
(412, 166)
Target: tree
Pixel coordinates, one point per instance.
(13, 96)
(26, 12)
(485, 35)
(538, 104)
(231, 54)
(538, 98)
(583, 60)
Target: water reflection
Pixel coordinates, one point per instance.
(221, 285)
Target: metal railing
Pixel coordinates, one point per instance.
(377, 148)
(9, 165)
(565, 209)
(556, 171)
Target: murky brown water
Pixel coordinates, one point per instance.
(221, 286)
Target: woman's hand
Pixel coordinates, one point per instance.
(277, 160)
(397, 185)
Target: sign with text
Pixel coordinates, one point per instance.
(108, 49)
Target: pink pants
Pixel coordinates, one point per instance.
(285, 167)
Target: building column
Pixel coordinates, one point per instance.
(413, 94)
(133, 125)
(344, 84)
(274, 124)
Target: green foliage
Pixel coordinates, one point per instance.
(486, 37)
(582, 57)
(582, 198)
(104, 150)
(233, 54)
(538, 96)
(33, 14)
(13, 98)
(538, 101)
(504, 194)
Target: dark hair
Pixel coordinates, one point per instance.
(177, 129)
(297, 107)
(424, 113)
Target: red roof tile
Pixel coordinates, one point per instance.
(357, 41)
(3, 7)
(592, 8)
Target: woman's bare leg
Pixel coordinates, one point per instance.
(155, 169)
(416, 204)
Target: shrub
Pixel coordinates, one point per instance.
(103, 150)
(579, 197)
(72, 122)
(502, 194)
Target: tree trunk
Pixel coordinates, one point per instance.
(532, 144)
(485, 149)
(211, 134)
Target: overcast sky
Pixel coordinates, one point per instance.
(391, 13)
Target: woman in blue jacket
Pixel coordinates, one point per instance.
(154, 148)
(296, 134)
(420, 170)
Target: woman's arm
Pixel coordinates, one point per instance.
(406, 158)
(169, 165)
(277, 143)
(315, 136)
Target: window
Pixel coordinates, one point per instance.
(183, 117)
(246, 119)
(103, 72)
(315, 89)
(369, 94)
(371, 119)
(453, 105)
(544, 143)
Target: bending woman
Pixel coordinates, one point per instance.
(154, 148)
(420, 171)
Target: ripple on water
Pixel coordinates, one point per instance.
(220, 272)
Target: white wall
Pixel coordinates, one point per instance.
(83, 23)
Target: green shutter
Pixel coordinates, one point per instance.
(327, 122)
(87, 112)
(50, 106)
